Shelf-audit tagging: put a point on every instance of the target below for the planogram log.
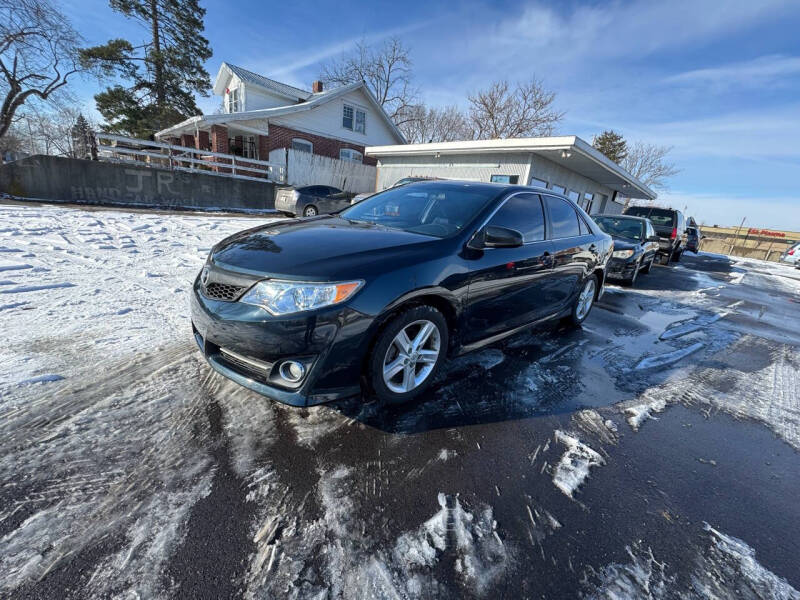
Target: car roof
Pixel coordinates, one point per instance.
(629, 217)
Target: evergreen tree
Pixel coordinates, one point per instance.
(83, 145)
(164, 73)
(612, 144)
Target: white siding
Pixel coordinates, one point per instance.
(555, 174)
(326, 120)
(257, 98)
(471, 167)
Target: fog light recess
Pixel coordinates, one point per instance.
(292, 371)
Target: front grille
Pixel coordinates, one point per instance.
(223, 291)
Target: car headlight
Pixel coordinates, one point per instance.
(286, 297)
(622, 253)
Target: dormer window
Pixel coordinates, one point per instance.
(354, 119)
(234, 101)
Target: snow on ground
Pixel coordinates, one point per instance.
(81, 287)
(573, 468)
(725, 567)
(92, 455)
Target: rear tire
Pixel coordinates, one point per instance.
(401, 368)
(583, 303)
(310, 211)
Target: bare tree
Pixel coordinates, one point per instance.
(430, 124)
(48, 130)
(385, 69)
(38, 54)
(649, 164)
(501, 111)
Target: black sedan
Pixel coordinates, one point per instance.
(635, 245)
(311, 200)
(310, 310)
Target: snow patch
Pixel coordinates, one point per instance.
(574, 466)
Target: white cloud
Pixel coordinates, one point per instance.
(772, 69)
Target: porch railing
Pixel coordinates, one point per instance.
(127, 150)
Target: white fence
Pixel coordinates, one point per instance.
(121, 149)
(305, 168)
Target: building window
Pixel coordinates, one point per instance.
(349, 154)
(558, 188)
(244, 146)
(512, 179)
(538, 182)
(573, 195)
(587, 202)
(302, 145)
(234, 100)
(347, 117)
(354, 119)
(361, 121)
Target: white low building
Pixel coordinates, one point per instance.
(566, 164)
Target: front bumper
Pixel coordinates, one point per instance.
(620, 268)
(325, 341)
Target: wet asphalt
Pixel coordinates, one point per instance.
(484, 436)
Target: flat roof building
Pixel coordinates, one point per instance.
(566, 164)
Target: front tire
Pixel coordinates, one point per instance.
(408, 353)
(310, 211)
(584, 302)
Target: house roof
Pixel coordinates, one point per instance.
(570, 152)
(276, 87)
(314, 100)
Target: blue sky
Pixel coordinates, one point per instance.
(718, 80)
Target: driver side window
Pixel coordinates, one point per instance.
(524, 213)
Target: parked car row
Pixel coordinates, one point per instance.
(792, 255)
(377, 295)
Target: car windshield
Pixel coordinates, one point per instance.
(429, 209)
(659, 216)
(632, 229)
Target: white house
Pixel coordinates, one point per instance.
(566, 164)
(261, 115)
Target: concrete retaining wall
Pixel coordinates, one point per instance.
(92, 182)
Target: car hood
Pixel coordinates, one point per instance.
(325, 248)
(621, 243)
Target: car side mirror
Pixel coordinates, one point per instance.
(496, 237)
(653, 238)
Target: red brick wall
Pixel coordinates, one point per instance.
(219, 139)
(203, 141)
(281, 137)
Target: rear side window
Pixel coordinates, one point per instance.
(524, 213)
(659, 216)
(563, 218)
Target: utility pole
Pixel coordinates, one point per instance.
(736, 237)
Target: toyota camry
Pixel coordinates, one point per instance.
(375, 298)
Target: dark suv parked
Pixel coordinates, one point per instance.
(670, 228)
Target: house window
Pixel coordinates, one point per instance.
(361, 121)
(573, 195)
(249, 149)
(558, 188)
(347, 117)
(538, 182)
(234, 100)
(354, 119)
(504, 179)
(349, 154)
(587, 201)
(302, 145)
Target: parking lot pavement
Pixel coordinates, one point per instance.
(653, 453)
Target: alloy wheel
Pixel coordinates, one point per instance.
(585, 300)
(411, 356)
(310, 211)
